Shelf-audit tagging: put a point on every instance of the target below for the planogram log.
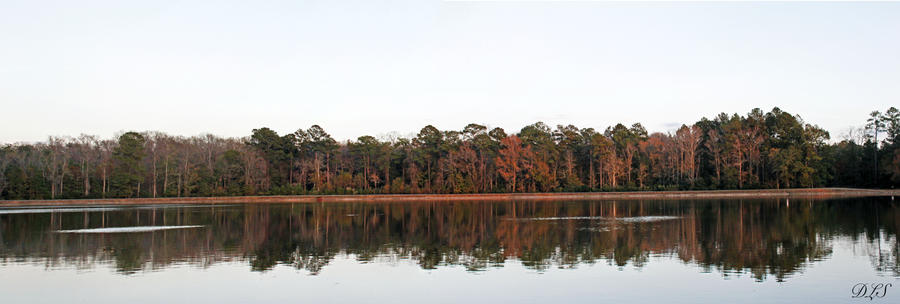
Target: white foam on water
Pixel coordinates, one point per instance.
(97, 209)
(557, 218)
(599, 229)
(56, 210)
(163, 206)
(646, 219)
(635, 219)
(127, 229)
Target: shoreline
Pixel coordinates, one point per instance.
(707, 194)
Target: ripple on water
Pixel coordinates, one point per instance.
(56, 210)
(633, 219)
(127, 229)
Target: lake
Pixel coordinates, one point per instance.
(625, 251)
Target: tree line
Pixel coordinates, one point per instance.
(758, 150)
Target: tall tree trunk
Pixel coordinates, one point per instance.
(103, 177)
(85, 173)
(318, 169)
(154, 174)
(166, 176)
(591, 173)
(387, 172)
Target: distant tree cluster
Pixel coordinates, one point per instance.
(759, 150)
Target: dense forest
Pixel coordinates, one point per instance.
(756, 150)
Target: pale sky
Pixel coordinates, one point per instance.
(372, 67)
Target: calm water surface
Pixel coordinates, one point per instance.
(449, 252)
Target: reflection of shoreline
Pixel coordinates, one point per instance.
(720, 194)
(762, 237)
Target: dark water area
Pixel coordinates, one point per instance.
(688, 251)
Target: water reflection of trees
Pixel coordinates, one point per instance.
(763, 238)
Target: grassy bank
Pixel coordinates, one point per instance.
(769, 193)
